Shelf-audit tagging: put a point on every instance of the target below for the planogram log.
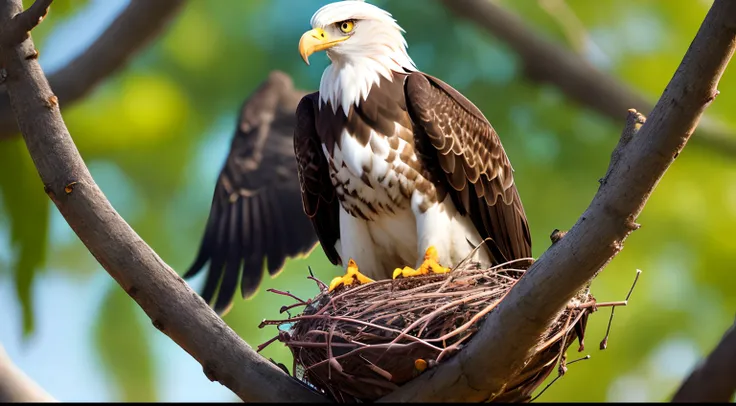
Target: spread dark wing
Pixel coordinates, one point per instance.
(256, 214)
(318, 193)
(457, 140)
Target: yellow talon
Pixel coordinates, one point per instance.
(351, 276)
(430, 264)
(399, 272)
(431, 253)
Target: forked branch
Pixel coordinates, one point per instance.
(22, 24)
(136, 26)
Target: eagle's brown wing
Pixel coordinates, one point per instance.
(318, 194)
(460, 145)
(256, 214)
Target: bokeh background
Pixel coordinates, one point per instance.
(156, 134)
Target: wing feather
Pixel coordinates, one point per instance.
(470, 156)
(255, 216)
(233, 261)
(318, 194)
(280, 241)
(254, 258)
(217, 260)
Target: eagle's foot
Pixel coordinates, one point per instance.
(352, 276)
(430, 264)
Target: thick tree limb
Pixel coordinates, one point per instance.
(173, 307)
(714, 380)
(132, 30)
(15, 386)
(514, 327)
(545, 61)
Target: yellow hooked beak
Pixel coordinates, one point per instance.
(317, 40)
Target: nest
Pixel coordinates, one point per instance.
(361, 342)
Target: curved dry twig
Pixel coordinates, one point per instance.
(174, 308)
(598, 236)
(545, 61)
(132, 30)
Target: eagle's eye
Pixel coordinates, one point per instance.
(346, 26)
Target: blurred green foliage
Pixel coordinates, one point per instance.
(147, 131)
(26, 206)
(120, 326)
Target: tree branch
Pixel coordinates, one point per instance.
(714, 380)
(509, 333)
(15, 386)
(545, 61)
(173, 307)
(132, 30)
(26, 21)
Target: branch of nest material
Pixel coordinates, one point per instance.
(546, 61)
(16, 387)
(174, 308)
(507, 336)
(136, 26)
(713, 379)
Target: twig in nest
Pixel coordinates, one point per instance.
(287, 294)
(361, 342)
(604, 343)
(358, 343)
(559, 375)
(320, 285)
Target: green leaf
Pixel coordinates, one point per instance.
(123, 347)
(27, 209)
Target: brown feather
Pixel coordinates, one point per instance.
(450, 122)
(318, 194)
(256, 194)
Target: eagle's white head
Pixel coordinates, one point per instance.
(363, 42)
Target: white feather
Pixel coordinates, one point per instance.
(453, 235)
(379, 246)
(376, 48)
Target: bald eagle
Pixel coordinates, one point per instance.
(398, 173)
(398, 169)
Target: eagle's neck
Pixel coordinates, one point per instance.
(347, 81)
